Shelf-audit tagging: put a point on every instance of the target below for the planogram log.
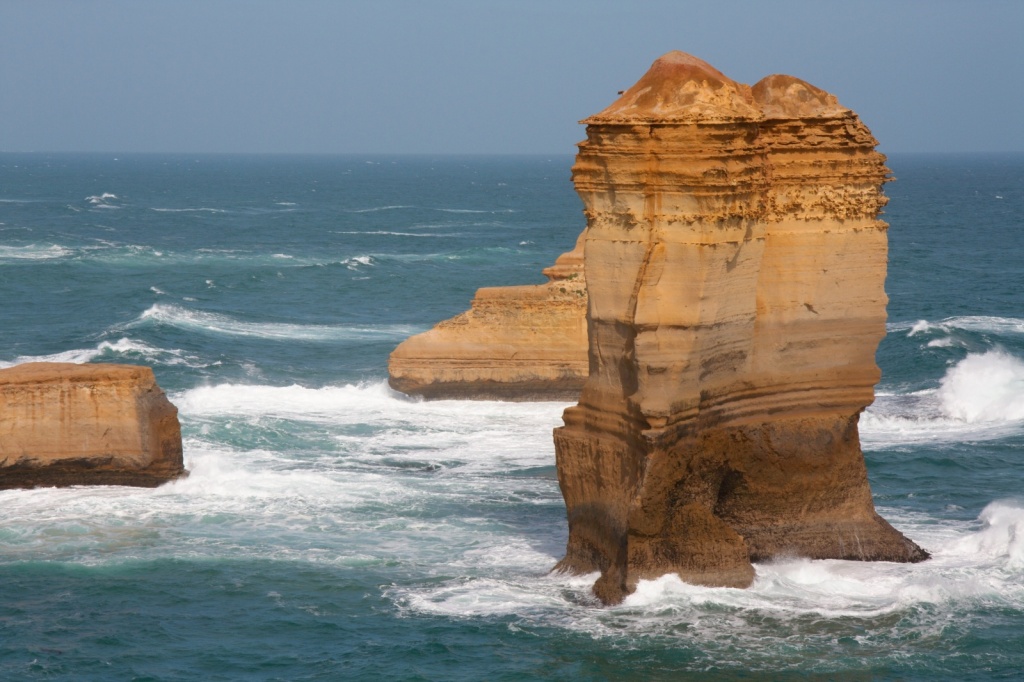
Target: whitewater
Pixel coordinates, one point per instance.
(332, 528)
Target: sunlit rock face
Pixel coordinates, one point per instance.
(514, 343)
(64, 424)
(735, 268)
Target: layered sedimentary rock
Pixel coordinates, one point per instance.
(735, 266)
(514, 343)
(65, 424)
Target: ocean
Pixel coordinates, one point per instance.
(332, 529)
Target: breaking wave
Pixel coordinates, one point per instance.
(972, 323)
(979, 398)
(122, 349)
(217, 323)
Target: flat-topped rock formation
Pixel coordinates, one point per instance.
(514, 343)
(735, 266)
(64, 424)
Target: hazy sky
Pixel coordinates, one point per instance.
(479, 76)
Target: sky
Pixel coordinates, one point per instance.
(479, 76)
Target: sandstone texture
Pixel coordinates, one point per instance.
(735, 266)
(64, 424)
(514, 343)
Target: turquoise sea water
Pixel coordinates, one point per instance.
(332, 529)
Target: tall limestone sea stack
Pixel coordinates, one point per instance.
(64, 424)
(735, 266)
(514, 343)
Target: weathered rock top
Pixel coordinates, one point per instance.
(48, 372)
(680, 88)
(781, 96)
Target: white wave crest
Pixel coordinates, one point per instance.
(33, 252)
(374, 209)
(296, 402)
(189, 210)
(216, 323)
(979, 398)
(351, 403)
(356, 262)
(121, 347)
(972, 323)
(395, 234)
(98, 199)
(1000, 541)
(472, 210)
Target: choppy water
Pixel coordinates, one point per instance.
(332, 529)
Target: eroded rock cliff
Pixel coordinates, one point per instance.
(735, 266)
(514, 343)
(65, 424)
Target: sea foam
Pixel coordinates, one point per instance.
(971, 564)
(32, 252)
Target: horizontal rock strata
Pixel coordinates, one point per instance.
(514, 343)
(64, 424)
(735, 266)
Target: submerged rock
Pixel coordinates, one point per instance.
(64, 424)
(735, 266)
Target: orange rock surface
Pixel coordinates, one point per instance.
(735, 266)
(514, 343)
(66, 424)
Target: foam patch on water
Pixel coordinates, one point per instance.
(32, 252)
(341, 481)
(219, 324)
(979, 398)
(233, 505)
